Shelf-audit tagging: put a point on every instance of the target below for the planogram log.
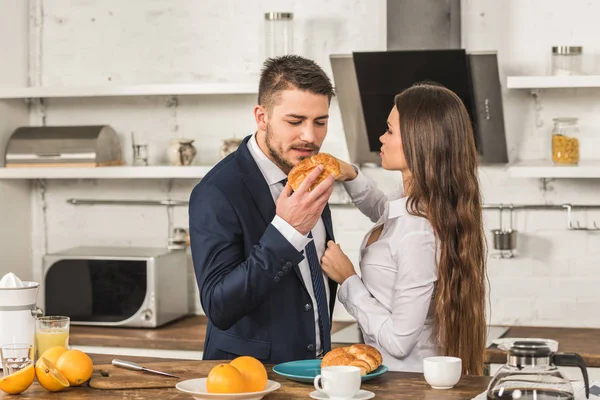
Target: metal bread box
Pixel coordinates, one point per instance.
(60, 146)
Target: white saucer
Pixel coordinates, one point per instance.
(197, 388)
(361, 395)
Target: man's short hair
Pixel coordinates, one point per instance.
(288, 72)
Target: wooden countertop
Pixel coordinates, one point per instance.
(189, 334)
(585, 341)
(184, 334)
(392, 385)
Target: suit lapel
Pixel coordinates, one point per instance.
(259, 189)
(326, 216)
(255, 182)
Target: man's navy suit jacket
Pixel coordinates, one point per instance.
(250, 285)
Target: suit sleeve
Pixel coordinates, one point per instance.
(231, 285)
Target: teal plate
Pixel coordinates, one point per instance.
(307, 370)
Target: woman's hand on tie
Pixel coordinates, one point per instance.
(336, 264)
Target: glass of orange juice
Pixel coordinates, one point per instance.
(49, 332)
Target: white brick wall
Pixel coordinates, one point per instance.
(15, 245)
(553, 282)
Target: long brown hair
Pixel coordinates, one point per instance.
(439, 147)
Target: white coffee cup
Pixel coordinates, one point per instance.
(339, 382)
(442, 372)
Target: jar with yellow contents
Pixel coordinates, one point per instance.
(565, 142)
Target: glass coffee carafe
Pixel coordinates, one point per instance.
(531, 372)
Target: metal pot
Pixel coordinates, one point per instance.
(505, 239)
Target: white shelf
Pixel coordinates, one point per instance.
(546, 169)
(129, 90)
(118, 172)
(548, 82)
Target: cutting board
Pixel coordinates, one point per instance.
(110, 377)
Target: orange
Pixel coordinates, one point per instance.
(19, 381)
(253, 371)
(224, 378)
(49, 377)
(76, 366)
(53, 353)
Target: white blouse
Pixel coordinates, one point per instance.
(392, 301)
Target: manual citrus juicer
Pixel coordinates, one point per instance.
(18, 310)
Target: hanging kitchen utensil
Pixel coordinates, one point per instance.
(505, 240)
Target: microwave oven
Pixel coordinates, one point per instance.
(116, 286)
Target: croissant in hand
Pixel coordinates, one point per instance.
(305, 167)
(363, 356)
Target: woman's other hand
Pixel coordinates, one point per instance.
(336, 264)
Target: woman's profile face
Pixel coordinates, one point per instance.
(392, 153)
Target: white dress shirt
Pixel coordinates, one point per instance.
(392, 300)
(274, 175)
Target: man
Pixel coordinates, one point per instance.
(256, 245)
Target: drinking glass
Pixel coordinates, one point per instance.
(51, 331)
(15, 357)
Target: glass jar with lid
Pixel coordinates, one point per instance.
(567, 60)
(279, 33)
(565, 142)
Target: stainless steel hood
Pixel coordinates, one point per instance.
(353, 118)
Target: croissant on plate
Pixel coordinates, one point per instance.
(363, 356)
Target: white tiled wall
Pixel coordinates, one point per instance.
(554, 279)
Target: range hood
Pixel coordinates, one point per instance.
(366, 83)
(423, 43)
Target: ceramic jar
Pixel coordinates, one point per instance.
(181, 152)
(229, 146)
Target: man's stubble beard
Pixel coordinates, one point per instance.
(276, 154)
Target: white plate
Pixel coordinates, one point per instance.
(197, 388)
(361, 395)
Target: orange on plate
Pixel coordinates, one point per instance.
(224, 378)
(49, 377)
(253, 372)
(76, 366)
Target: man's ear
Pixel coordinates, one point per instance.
(261, 117)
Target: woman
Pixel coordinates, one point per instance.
(422, 290)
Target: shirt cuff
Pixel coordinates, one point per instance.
(296, 239)
(360, 184)
(352, 286)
